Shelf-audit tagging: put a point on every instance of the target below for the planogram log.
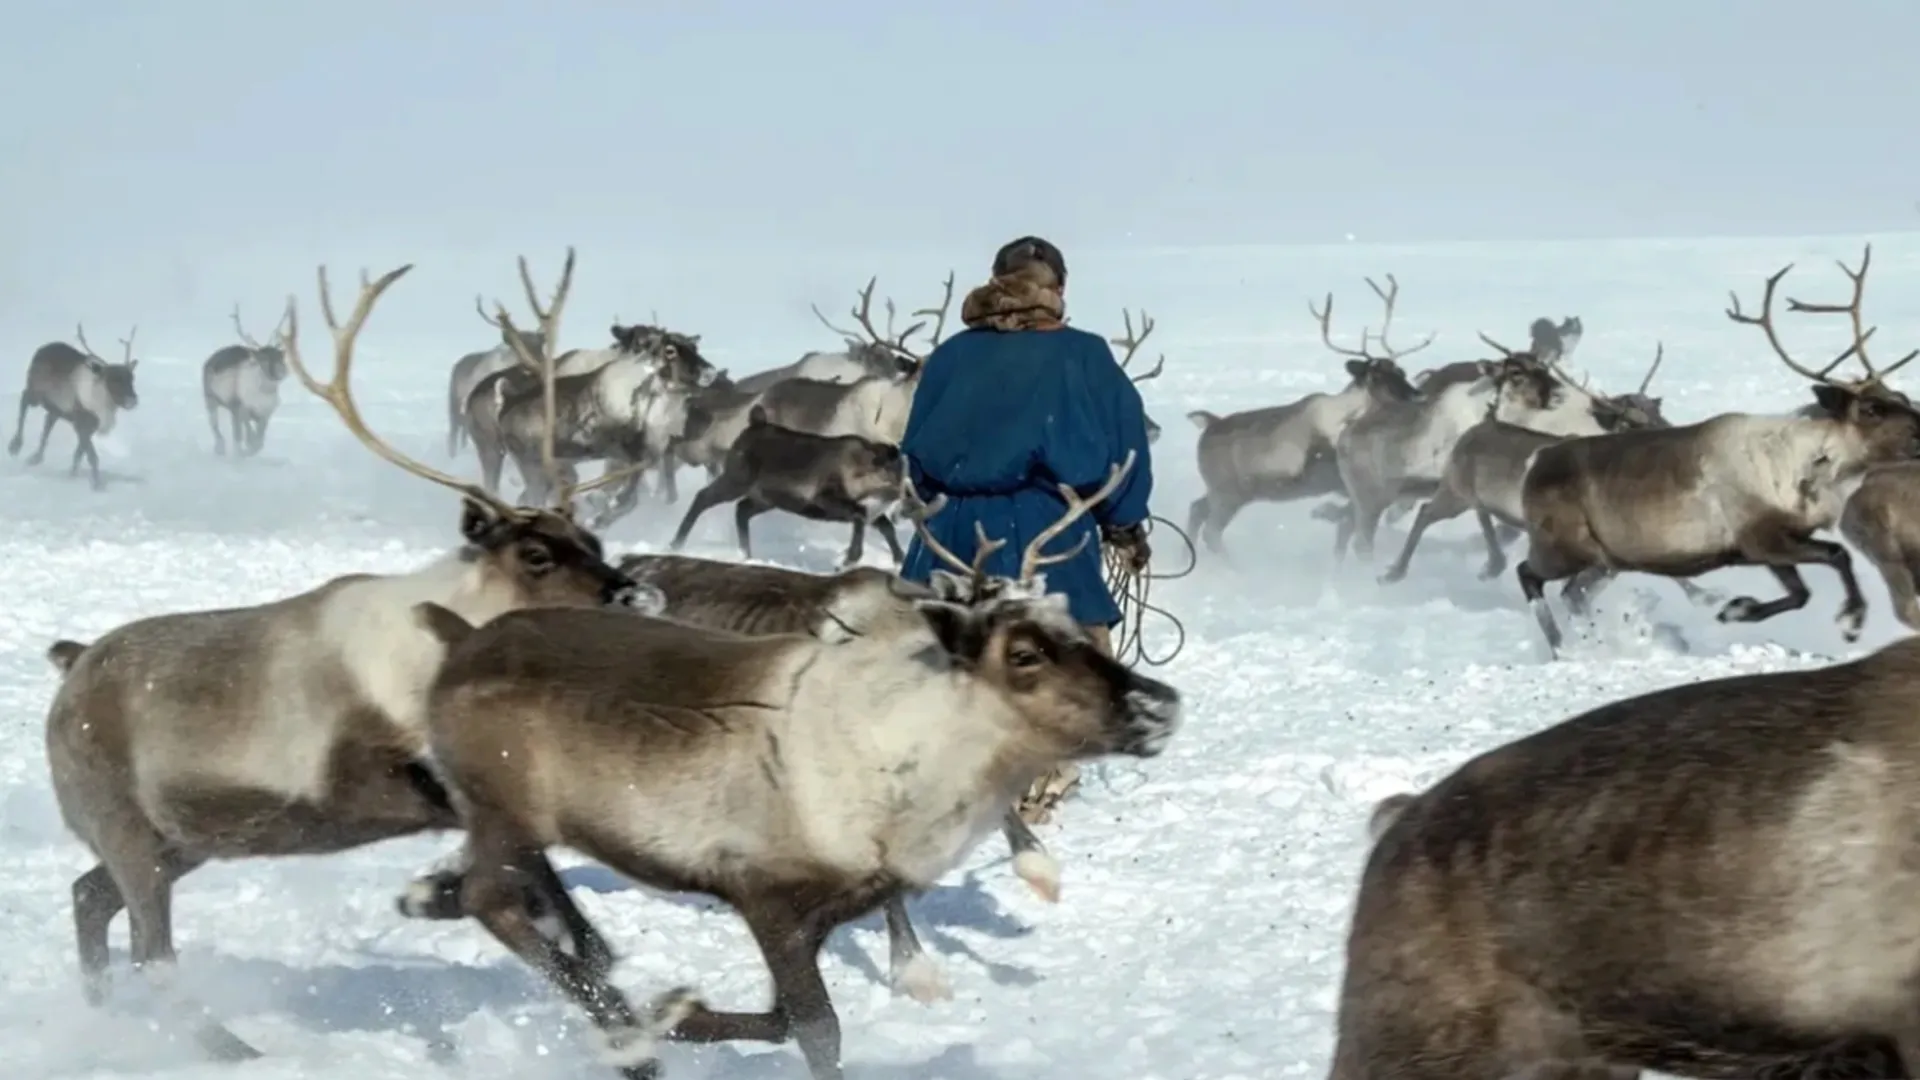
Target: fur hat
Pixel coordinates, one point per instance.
(1030, 251)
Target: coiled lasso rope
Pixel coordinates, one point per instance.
(1130, 591)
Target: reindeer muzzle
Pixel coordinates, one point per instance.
(1146, 717)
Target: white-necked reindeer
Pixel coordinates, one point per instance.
(81, 387)
(244, 380)
(295, 726)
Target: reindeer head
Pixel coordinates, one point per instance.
(541, 558)
(1881, 421)
(1382, 379)
(270, 358)
(117, 378)
(535, 557)
(1023, 641)
(1379, 374)
(1555, 344)
(874, 474)
(676, 356)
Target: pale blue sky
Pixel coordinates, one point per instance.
(177, 154)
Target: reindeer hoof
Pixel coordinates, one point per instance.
(36, 459)
(1739, 609)
(922, 980)
(1851, 620)
(1492, 570)
(1392, 575)
(633, 1049)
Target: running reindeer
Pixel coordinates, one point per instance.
(1712, 879)
(1282, 453)
(245, 381)
(795, 780)
(1732, 490)
(1486, 466)
(471, 369)
(295, 726)
(80, 387)
(858, 602)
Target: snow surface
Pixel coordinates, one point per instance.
(1206, 893)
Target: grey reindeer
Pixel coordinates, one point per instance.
(244, 381)
(81, 387)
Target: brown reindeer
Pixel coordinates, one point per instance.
(1485, 468)
(1285, 452)
(798, 781)
(858, 602)
(291, 727)
(1732, 490)
(874, 407)
(1711, 880)
(80, 387)
(818, 477)
(1883, 521)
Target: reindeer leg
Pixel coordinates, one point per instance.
(494, 894)
(1496, 553)
(1197, 516)
(96, 900)
(744, 512)
(1533, 586)
(857, 543)
(259, 433)
(84, 426)
(884, 526)
(1444, 506)
(1032, 861)
(213, 422)
(240, 440)
(792, 951)
(46, 432)
(910, 969)
(1748, 609)
(721, 490)
(1900, 583)
(20, 426)
(1782, 554)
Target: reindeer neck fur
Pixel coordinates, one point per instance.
(91, 395)
(895, 761)
(1809, 466)
(252, 389)
(619, 383)
(1329, 414)
(371, 625)
(1571, 414)
(878, 406)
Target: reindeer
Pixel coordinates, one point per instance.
(858, 602)
(798, 781)
(1485, 468)
(80, 387)
(1707, 880)
(1285, 452)
(716, 417)
(471, 369)
(1550, 344)
(1399, 451)
(818, 477)
(244, 380)
(1732, 490)
(875, 407)
(290, 727)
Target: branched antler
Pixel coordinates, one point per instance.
(279, 331)
(895, 341)
(1389, 297)
(1659, 351)
(1033, 558)
(1861, 333)
(126, 344)
(1130, 343)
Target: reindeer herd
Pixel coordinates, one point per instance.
(760, 734)
(1598, 483)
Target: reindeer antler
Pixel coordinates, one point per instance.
(1033, 558)
(338, 391)
(548, 317)
(897, 342)
(1659, 351)
(939, 314)
(1861, 334)
(1130, 343)
(1389, 297)
(564, 492)
(80, 332)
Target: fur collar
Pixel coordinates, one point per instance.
(1016, 301)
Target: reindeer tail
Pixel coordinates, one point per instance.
(64, 653)
(442, 623)
(1203, 419)
(1386, 812)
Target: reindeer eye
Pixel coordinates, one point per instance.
(1025, 656)
(536, 558)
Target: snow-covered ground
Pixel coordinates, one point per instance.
(1206, 892)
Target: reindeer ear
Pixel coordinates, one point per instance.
(1833, 399)
(1357, 368)
(955, 627)
(477, 520)
(950, 586)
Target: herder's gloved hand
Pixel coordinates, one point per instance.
(1130, 542)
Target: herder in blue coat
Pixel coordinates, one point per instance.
(1014, 405)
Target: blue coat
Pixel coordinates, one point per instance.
(1000, 418)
